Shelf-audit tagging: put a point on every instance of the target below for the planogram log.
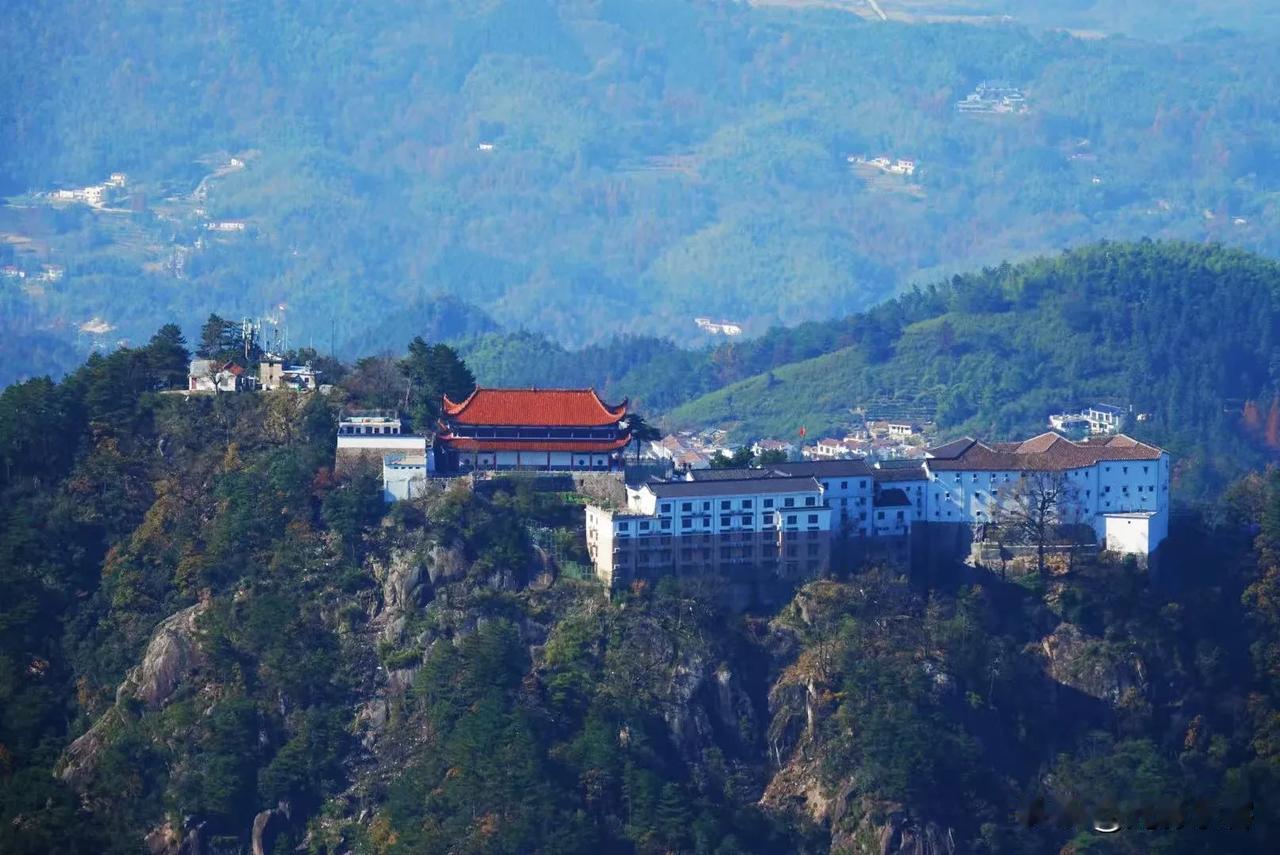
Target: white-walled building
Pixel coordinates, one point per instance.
(759, 528)
(370, 437)
(404, 475)
(763, 446)
(274, 374)
(206, 375)
(1115, 484)
(370, 423)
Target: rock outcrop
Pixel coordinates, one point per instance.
(1095, 667)
(890, 830)
(267, 826)
(405, 584)
(172, 655)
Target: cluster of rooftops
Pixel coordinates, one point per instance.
(1047, 452)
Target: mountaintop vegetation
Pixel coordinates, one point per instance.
(209, 642)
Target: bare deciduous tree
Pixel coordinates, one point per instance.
(1035, 510)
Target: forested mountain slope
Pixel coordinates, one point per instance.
(582, 169)
(209, 643)
(1186, 333)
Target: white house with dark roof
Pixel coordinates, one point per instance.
(1117, 485)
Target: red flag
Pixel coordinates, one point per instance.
(802, 431)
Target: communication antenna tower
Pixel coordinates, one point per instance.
(249, 332)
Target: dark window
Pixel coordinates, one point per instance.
(686, 523)
(813, 519)
(665, 508)
(724, 505)
(686, 506)
(768, 503)
(791, 519)
(724, 521)
(790, 503)
(746, 503)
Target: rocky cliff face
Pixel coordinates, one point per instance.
(802, 696)
(172, 655)
(1107, 671)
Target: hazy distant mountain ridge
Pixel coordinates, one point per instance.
(585, 169)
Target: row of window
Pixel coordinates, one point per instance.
(1074, 473)
(664, 563)
(844, 485)
(664, 508)
(367, 430)
(767, 519)
(533, 433)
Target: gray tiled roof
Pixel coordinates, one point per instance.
(734, 487)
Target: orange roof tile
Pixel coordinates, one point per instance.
(540, 407)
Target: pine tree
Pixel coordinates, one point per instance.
(434, 371)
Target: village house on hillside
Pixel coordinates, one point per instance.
(207, 375)
(1097, 420)
(274, 373)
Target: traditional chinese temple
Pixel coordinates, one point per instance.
(540, 429)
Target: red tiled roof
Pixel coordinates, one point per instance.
(540, 407)
(1046, 452)
(532, 446)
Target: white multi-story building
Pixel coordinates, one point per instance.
(369, 437)
(770, 526)
(1115, 484)
(720, 520)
